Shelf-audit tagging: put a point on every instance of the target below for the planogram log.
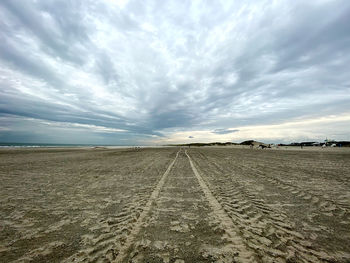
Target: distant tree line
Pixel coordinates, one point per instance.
(251, 142)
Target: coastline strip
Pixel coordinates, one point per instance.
(136, 229)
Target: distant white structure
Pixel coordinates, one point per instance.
(330, 143)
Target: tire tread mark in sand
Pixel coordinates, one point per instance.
(324, 205)
(243, 212)
(113, 231)
(245, 209)
(244, 254)
(138, 224)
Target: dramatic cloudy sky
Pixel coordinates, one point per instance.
(154, 72)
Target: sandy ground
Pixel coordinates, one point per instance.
(210, 204)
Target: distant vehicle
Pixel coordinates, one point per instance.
(263, 146)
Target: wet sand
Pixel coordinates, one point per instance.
(210, 204)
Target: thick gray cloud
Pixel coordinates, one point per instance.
(224, 131)
(139, 70)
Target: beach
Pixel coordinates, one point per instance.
(175, 204)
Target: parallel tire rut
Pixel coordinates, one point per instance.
(244, 254)
(272, 237)
(138, 224)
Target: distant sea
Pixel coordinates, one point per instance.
(18, 144)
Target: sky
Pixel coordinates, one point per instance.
(157, 72)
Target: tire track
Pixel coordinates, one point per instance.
(110, 232)
(300, 169)
(138, 224)
(250, 214)
(245, 254)
(325, 205)
(266, 230)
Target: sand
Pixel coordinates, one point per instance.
(210, 204)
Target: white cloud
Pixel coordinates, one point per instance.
(335, 127)
(152, 68)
